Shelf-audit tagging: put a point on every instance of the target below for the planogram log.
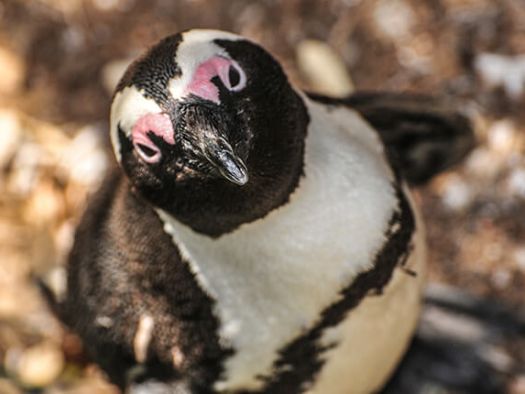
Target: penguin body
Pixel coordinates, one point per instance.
(268, 306)
(260, 241)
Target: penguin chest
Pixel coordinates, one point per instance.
(265, 301)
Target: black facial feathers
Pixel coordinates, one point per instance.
(152, 72)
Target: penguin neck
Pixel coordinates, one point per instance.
(214, 206)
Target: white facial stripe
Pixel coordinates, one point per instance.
(128, 106)
(272, 277)
(196, 47)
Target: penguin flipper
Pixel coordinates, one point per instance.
(422, 135)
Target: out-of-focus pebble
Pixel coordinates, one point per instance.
(502, 136)
(65, 7)
(56, 280)
(51, 138)
(323, 68)
(501, 278)
(37, 366)
(519, 258)
(106, 5)
(409, 57)
(85, 160)
(11, 307)
(493, 251)
(457, 194)
(484, 163)
(113, 5)
(506, 71)
(64, 236)
(10, 135)
(73, 39)
(113, 71)
(394, 18)
(516, 182)
(45, 204)
(12, 71)
(26, 166)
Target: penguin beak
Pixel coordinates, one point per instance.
(205, 132)
(220, 154)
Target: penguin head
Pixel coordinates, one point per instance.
(201, 108)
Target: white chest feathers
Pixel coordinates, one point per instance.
(271, 278)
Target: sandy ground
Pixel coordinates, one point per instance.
(60, 59)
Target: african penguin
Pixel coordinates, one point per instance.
(259, 239)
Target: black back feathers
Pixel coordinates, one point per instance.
(423, 135)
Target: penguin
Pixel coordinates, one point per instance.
(255, 238)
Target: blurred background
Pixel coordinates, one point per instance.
(60, 59)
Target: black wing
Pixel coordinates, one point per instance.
(423, 135)
(123, 267)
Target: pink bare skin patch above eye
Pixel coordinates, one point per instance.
(201, 84)
(158, 124)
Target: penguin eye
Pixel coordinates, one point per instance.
(236, 78)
